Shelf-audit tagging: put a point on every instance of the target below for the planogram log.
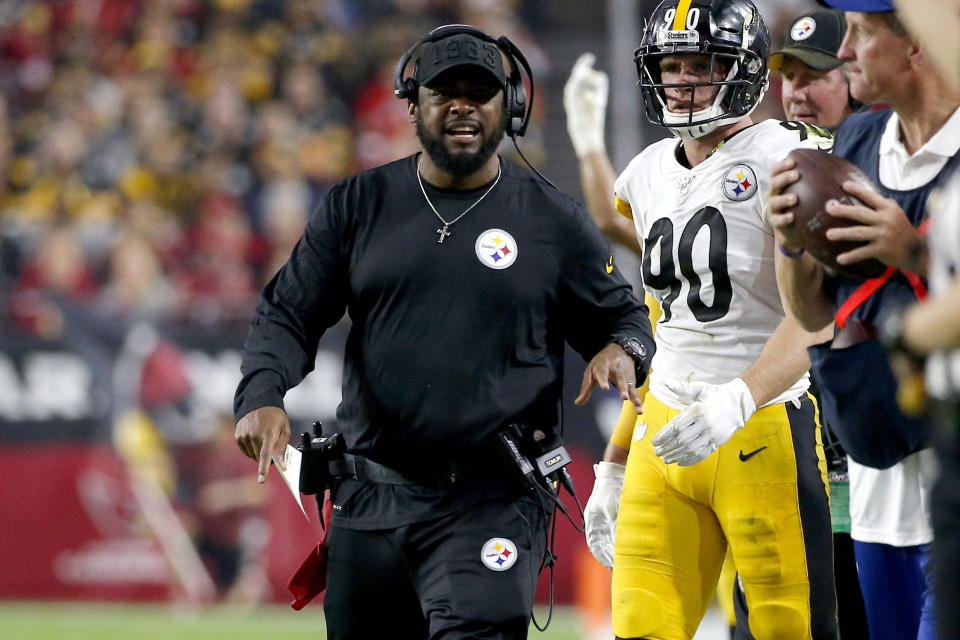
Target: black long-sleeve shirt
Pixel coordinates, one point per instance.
(445, 347)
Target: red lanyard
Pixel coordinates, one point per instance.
(870, 287)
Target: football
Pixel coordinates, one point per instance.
(821, 177)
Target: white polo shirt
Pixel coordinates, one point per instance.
(891, 506)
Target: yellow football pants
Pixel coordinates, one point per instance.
(764, 493)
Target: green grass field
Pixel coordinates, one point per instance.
(95, 621)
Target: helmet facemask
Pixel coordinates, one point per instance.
(744, 54)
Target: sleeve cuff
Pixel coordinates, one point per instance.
(263, 389)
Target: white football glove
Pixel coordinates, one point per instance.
(600, 514)
(585, 102)
(714, 415)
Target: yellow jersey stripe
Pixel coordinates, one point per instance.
(680, 18)
(654, 305)
(624, 208)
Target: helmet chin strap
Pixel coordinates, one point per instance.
(699, 130)
(695, 131)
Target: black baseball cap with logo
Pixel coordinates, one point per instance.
(458, 50)
(813, 39)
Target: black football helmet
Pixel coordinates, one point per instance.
(732, 33)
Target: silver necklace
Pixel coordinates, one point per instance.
(443, 231)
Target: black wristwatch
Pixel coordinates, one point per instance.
(638, 351)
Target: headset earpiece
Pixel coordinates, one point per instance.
(518, 113)
(510, 106)
(410, 87)
(402, 87)
(520, 106)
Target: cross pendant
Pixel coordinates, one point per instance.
(443, 233)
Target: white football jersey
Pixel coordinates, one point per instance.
(708, 251)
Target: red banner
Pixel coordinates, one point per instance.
(122, 480)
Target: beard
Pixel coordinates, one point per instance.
(465, 163)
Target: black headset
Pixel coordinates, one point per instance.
(515, 96)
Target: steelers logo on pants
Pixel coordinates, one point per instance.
(498, 554)
(496, 249)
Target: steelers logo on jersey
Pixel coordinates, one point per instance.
(498, 554)
(803, 28)
(496, 249)
(739, 183)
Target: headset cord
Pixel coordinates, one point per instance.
(548, 560)
(554, 497)
(532, 168)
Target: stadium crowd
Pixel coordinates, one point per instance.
(159, 159)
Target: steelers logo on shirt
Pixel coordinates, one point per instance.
(496, 249)
(498, 554)
(739, 183)
(803, 28)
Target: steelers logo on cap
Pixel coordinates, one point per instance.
(496, 249)
(739, 183)
(498, 554)
(803, 28)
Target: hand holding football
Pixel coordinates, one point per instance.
(821, 177)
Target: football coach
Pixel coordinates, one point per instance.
(463, 275)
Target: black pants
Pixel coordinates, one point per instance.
(850, 608)
(945, 512)
(471, 574)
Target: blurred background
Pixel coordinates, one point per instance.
(158, 160)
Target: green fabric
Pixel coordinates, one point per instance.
(840, 506)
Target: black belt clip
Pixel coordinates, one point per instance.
(317, 452)
(535, 455)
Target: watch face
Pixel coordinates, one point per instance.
(641, 349)
(634, 348)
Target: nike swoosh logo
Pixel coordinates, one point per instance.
(746, 456)
(610, 264)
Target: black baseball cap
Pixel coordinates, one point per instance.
(813, 39)
(458, 50)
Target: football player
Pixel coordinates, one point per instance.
(727, 450)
